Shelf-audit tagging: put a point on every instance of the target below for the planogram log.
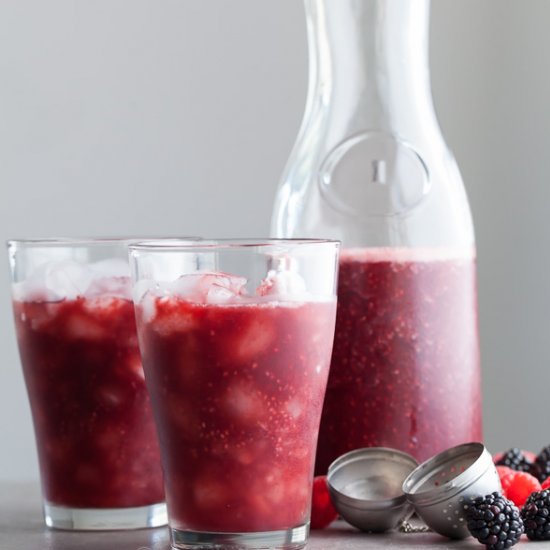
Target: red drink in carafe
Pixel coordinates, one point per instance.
(406, 346)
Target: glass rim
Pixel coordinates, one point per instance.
(180, 245)
(53, 242)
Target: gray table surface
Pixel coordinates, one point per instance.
(22, 528)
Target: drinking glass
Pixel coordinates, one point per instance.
(97, 445)
(236, 339)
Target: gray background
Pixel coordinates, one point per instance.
(177, 116)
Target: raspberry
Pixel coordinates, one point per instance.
(515, 458)
(494, 521)
(520, 487)
(503, 471)
(506, 476)
(536, 516)
(505, 483)
(323, 512)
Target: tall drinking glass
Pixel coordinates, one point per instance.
(236, 338)
(97, 446)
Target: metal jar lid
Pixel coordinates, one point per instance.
(366, 487)
(439, 487)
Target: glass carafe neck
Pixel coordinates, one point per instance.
(370, 165)
(370, 58)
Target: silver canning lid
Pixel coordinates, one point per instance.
(447, 474)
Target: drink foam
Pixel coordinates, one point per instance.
(406, 255)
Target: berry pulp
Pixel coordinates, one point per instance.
(237, 393)
(405, 365)
(94, 428)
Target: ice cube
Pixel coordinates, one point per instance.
(68, 279)
(53, 281)
(147, 304)
(218, 294)
(254, 339)
(243, 402)
(141, 288)
(294, 408)
(274, 491)
(84, 327)
(283, 284)
(42, 316)
(186, 286)
(105, 307)
(110, 277)
(252, 452)
(168, 320)
(209, 493)
(219, 288)
(116, 287)
(209, 288)
(111, 268)
(31, 291)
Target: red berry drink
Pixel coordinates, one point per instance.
(405, 366)
(237, 390)
(93, 423)
(97, 445)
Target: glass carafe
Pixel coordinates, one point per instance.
(370, 167)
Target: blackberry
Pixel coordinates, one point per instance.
(515, 459)
(541, 467)
(536, 516)
(494, 521)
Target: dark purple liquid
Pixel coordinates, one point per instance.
(96, 439)
(405, 366)
(237, 393)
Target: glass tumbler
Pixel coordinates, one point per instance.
(236, 338)
(97, 445)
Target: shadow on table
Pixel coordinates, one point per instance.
(22, 527)
(398, 540)
(142, 539)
